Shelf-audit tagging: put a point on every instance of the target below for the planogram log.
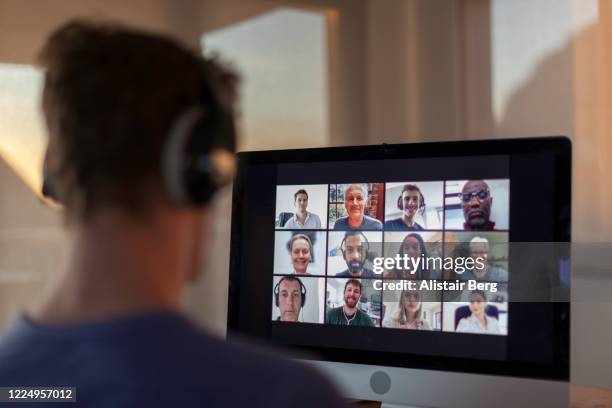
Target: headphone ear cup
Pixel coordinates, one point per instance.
(399, 203)
(197, 154)
(303, 293)
(276, 293)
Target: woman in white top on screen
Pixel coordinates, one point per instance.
(302, 218)
(355, 200)
(300, 248)
(409, 314)
(478, 321)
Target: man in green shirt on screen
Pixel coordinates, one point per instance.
(349, 314)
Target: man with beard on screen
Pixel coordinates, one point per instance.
(355, 247)
(349, 314)
(476, 201)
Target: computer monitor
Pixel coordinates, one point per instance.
(358, 257)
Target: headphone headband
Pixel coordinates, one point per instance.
(172, 153)
(354, 233)
(400, 204)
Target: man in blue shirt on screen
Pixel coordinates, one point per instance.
(410, 202)
(140, 139)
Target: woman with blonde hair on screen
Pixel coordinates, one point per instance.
(300, 248)
(409, 314)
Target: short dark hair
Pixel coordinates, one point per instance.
(291, 278)
(355, 233)
(301, 191)
(354, 282)
(410, 187)
(110, 96)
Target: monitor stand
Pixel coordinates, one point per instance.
(412, 388)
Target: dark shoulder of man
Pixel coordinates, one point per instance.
(169, 362)
(395, 224)
(362, 319)
(334, 316)
(368, 273)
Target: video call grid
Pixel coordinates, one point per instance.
(444, 277)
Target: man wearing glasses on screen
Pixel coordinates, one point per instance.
(476, 201)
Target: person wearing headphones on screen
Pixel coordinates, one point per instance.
(410, 202)
(290, 298)
(355, 200)
(141, 137)
(349, 313)
(302, 218)
(476, 201)
(355, 247)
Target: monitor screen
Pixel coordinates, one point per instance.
(406, 255)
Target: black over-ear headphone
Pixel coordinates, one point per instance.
(400, 204)
(198, 154)
(366, 243)
(277, 289)
(48, 189)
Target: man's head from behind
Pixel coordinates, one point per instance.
(111, 98)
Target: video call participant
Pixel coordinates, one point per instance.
(302, 218)
(414, 247)
(349, 314)
(479, 248)
(355, 200)
(478, 321)
(355, 248)
(113, 323)
(477, 201)
(409, 313)
(300, 248)
(290, 298)
(410, 202)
